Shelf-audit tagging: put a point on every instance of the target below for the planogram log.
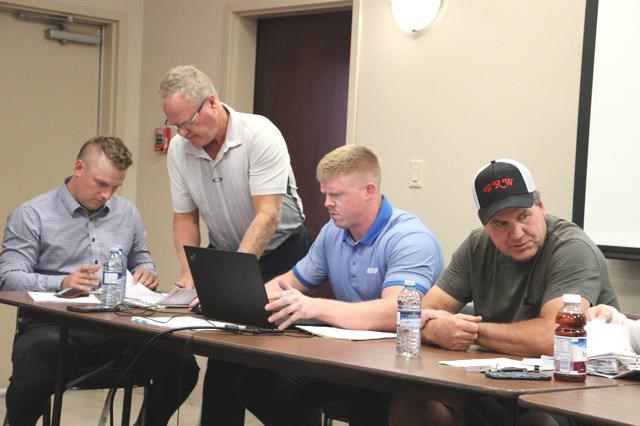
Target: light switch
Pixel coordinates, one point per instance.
(415, 173)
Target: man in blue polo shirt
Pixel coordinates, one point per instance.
(366, 252)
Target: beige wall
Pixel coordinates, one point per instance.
(489, 79)
(127, 16)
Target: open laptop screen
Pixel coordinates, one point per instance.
(229, 285)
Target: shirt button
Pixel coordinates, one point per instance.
(93, 240)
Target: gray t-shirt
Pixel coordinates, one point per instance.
(503, 290)
(253, 160)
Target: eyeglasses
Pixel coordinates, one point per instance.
(186, 125)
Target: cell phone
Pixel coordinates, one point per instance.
(71, 293)
(91, 308)
(517, 375)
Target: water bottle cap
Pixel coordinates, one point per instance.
(409, 283)
(571, 298)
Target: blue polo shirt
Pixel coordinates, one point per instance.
(397, 247)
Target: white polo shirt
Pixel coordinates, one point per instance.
(253, 160)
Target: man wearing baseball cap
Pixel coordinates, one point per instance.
(515, 270)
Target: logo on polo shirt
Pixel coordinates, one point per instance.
(372, 270)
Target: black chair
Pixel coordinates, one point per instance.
(334, 410)
(105, 376)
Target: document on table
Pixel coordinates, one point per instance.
(485, 364)
(609, 352)
(178, 297)
(44, 296)
(345, 334)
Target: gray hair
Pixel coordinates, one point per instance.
(537, 199)
(189, 81)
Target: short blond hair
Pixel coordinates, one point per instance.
(349, 159)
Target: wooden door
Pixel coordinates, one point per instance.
(301, 84)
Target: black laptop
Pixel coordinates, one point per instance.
(229, 285)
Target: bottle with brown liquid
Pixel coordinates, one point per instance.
(570, 342)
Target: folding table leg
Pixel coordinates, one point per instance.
(59, 389)
(510, 411)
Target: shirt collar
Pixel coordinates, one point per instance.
(383, 217)
(72, 205)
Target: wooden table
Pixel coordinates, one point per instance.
(372, 364)
(612, 405)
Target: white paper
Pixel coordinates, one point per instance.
(498, 363)
(141, 292)
(605, 338)
(345, 334)
(42, 296)
(177, 321)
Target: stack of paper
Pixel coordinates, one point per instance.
(609, 352)
(614, 365)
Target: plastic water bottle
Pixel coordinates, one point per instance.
(112, 278)
(122, 287)
(570, 342)
(409, 311)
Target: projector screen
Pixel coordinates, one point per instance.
(607, 181)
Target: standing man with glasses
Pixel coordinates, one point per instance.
(233, 170)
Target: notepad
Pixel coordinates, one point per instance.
(483, 364)
(345, 334)
(43, 296)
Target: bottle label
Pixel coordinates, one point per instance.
(570, 355)
(111, 277)
(409, 318)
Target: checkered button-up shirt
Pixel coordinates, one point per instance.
(50, 236)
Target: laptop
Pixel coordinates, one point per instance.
(229, 285)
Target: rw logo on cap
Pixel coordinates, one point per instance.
(503, 183)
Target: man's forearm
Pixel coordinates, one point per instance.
(259, 234)
(30, 281)
(186, 232)
(379, 315)
(527, 338)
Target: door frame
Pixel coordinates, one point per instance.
(239, 47)
(111, 109)
(112, 99)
